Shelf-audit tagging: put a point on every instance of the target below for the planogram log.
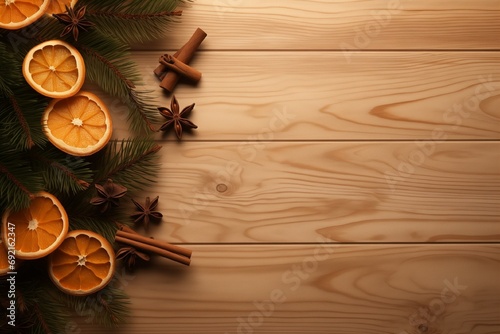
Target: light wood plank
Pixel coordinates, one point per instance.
(303, 95)
(349, 192)
(369, 289)
(339, 24)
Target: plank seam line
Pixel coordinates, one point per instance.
(330, 141)
(492, 243)
(329, 50)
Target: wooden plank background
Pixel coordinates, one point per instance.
(345, 176)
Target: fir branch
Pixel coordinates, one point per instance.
(115, 304)
(20, 106)
(18, 181)
(9, 67)
(11, 177)
(108, 307)
(52, 315)
(146, 111)
(109, 66)
(99, 224)
(22, 121)
(40, 320)
(22, 40)
(132, 21)
(46, 28)
(131, 163)
(140, 16)
(63, 174)
(20, 125)
(38, 310)
(125, 82)
(114, 58)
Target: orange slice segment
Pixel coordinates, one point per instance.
(39, 229)
(55, 69)
(16, 14)
(79, 125)
(83, 264)
(58, 6)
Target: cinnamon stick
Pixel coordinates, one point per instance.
(153, 242)
(185, 54)
(174, 64)
(125, 228)
(161, 70)
(155, 250)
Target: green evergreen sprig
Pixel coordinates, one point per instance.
(18, 182)
(132, 21)
(109, 65)
(20, 126)
(20, 108)
(63, 174)
(102, 225)
(43, 309)
(49, 316)
(10, 70)
(29, 164)
(132, 163)
(38, 309)
(108, 307)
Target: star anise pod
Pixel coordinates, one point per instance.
(129, 255)
(146, 213)
(108, 195)
(74, 21)
(178, 119)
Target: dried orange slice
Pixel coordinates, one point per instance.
(54, 69)
(16, 14)
(83, 264)
(58, 6)
(79, 125)
(39, 229)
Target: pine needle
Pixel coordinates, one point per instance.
(109, 65)
(9, 70)
(63, 174)
(18, 182)
(134, 21)
(101, 225)
(28, 164)
(38, 310)
(20, 106)
(50, 315)
(131, 163)
(108, 307)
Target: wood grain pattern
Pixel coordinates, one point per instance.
(370, 289)
(339, 25)
(307, 149)
(349, 192)
(390, 95)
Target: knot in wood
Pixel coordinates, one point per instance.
(423, 328)
(221, 187)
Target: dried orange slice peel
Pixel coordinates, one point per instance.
(39, 229)
(83, 264)
(16, 14)
(80, 125)
(55, 69)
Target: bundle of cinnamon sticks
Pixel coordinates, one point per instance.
(173, 252)
(172, 68)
